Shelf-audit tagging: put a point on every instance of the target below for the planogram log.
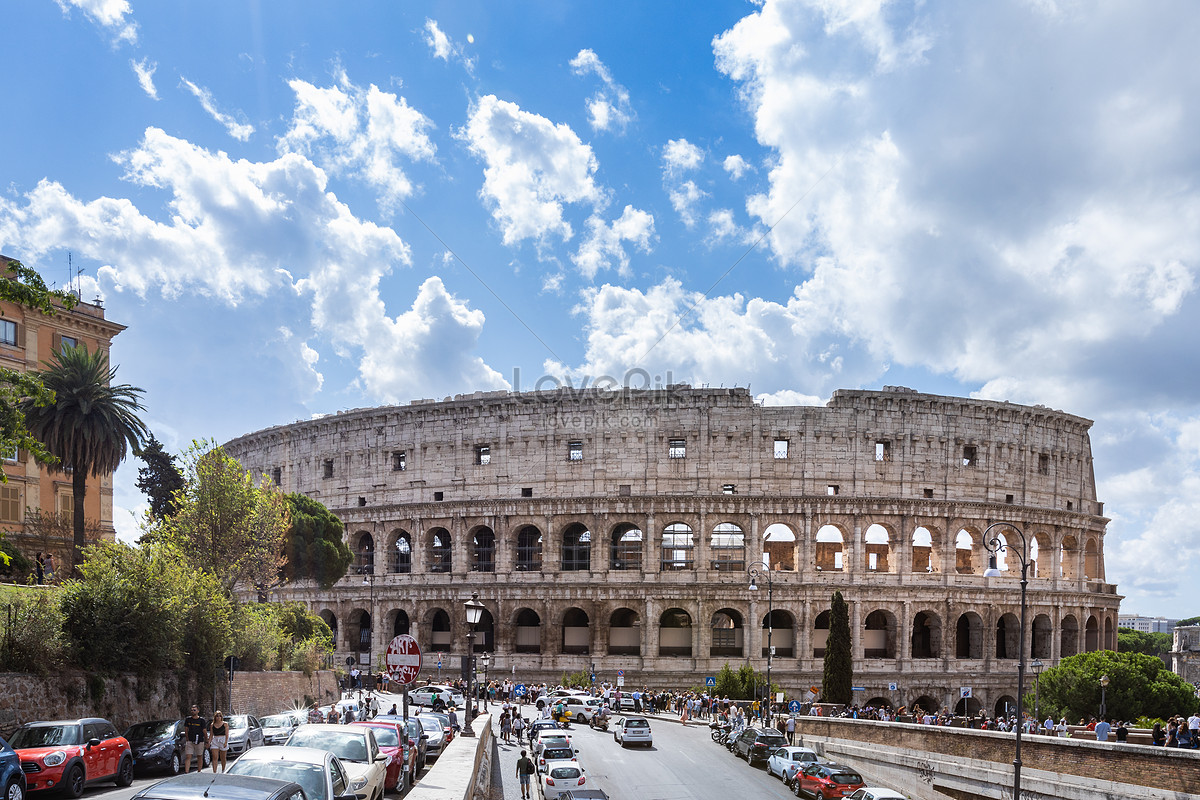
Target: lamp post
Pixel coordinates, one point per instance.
(487, 660)
(995, 546)
(1103, 705)
(1037, 666)
(369, 578)
(755, 572)
(474, 612)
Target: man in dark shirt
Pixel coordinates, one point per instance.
(195, 740)
(525, 771)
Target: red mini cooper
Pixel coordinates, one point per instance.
(70, 754)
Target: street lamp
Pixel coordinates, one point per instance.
(474, 612)
(1103, 705)
(755, 572)
(995, 546)
(369, 578)
(1037, 666)
(487, 660)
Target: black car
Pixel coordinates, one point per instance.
(12, 777)
(221, 786)
(158, 745)
(757, 744)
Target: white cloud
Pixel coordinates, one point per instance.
(532, 168)
(238, 130)
(605, 242)
(609, 107)
(349, 130)
(684, 199)
(680, 156)
(790, 397)
(108, 14)
(736, 166)
(144, 70)
(443, 48)
(303, 362)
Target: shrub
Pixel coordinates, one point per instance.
(31, 639)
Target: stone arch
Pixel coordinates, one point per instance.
(400, 623)
(331, 620)
(1006, 706)
(1068, 558)
(779, 547)
(728, 547)
(485, 633)
(364, 553)
(968, 550)
(1110, 642)
(1008, 633)
(529, 549)
(821, 633)
(440, 638)
(576, 548)
(925, 703)
(1093, 567)
(576, 632)
(1091, 634)
(968, 636)
(483, 549)
(925, 557)
(675, 633)
(624, 633)
(678, 547)
(926, 635)
(829, 553)
(877, 548)
(1039, 546)
(968, 707)
(878, 702)
(361, 631)
(401, 551)
(1042, 638)
(529, 631)
(1068, 635)
(626, 547)
(879, 634)
(728, 636)
(782, 627)
(440, 550)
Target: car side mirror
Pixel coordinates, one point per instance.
(381, 757)
(93, 742)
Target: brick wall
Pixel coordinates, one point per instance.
(262, 693)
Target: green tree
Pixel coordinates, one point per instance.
(839, 667)
(728, 684)
(1152, 644)
(89, 427)
(1183, 623)
(160, 480)
(314, 547)
(31, 635)
(1139, 685)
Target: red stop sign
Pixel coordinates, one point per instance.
(403, 659)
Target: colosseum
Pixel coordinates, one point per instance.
(614, 531)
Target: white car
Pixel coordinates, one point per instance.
(785, 758)
(561, 776)
(872, 793)
(633, 730)
(319, 772)
(582, 708)
(355, 746)
(556, 753)
(549, 737)
(436, 696)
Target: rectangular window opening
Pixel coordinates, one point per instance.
(1070, 505)
(277, 476)
(362, 501)
(328, 468)
(873, 562)
(483, 454)
(399, 460)
(10, 504)
(1008, 498)
(883, 451)
(438, 496)
(970, 455)
(831, 489)
(729, 488)
(527, 491)
(68, 342)
(625, 490)
(929, 492)
(781, 448)
(8, 332)
(66, 504)
(574, 451)
(1044, 464)
(677, 448)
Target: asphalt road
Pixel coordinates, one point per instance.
(683, 764)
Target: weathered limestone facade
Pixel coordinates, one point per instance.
(615, 528)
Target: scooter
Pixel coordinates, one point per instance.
(597, 722)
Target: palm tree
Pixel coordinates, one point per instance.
(89, 427)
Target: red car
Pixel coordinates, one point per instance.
(824, 781)
(70, 754)
(393, 742)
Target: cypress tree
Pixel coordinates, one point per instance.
(839, 667)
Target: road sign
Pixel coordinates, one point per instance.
(893, 687)
(403, 659)
(519, 690)
(620, 673)
(857, 689)
(710, 681)
(794, 706)
(439, 662)
(964, 692)
(620, 680)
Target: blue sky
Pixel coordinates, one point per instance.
(301, 207)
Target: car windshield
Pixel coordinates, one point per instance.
(636, 723)
(386, 737)
(846, 778)
(238, 722)
(347, 745)
(564, 772)
(430, 724)
(150, 730)
(277, 721)
(311, 777)
(45, 736)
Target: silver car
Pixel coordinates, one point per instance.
(633, 730)
(436, 730)
(245, 732)
(278, 727)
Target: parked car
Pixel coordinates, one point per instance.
(562, 776)
(436, 696)
(445, 719)
(158, 745)
(12, 778)
(356, 748)
(874, 793)
(417, 737)
(539, 725)
(277, 728)
(790, 758)
(221, 786)
(757, 744)
(825, 781)
(70, 754)
(245, 732)
(556, 754)
(392, 738)
(549, 737)
(435, 730)
(633, 730)
(321, 774)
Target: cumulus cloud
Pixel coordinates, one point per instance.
(736, 166)
(605, 242)
(684, 199)
(532, 168)
(681, 156)
(361, 133)
(238, 130)
(112, 15)
(609, 107)
(144, 70)
(443, 47)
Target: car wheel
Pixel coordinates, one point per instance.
(124, 772)
(206, 757)
(796, 789)
(73, 784)
(15, 791)
(176, 763)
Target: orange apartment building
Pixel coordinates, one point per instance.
(27, 339)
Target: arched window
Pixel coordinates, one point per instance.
(728, 548)
(727, 633)
(529, 632)
(440, 630)
(678, 545)
(400, 624)
(529, 549)
(402, 557)
(675, 633)
(439, 550)
(878, 549)
(821, 633)
(365, 555)
(624, 633)
(829, 550)
(922, 551)
(779, 547)
(577, 634)
(483, 550)
(576, 548)
(626, 547)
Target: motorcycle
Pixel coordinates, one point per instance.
(597, 722)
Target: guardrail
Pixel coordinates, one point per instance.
(464, 769)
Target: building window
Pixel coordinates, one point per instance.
(1044, 464)
(68, 342)
(66, 504)
(277, 476)
(929, 492)
(1008, 498)
(729, 488)
(574, 451)
(781, 448)
(10, 504)
(883, 451)
(328, 468)
(970, 455)
(625, 490)
(483, 454)
(399, 461)
(11, 456)
(676, 448)
(527, 491)
(439, 496)
(831, 489)
(8, 332)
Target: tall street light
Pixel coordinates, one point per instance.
(1037, 665)
(1103, 705)
(474, 612)
(755, 572)
(486, 660)
(996, 545)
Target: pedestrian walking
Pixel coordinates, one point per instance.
(791, 730)
(505, 727)
(49, 567)
(39, 568)
(525, 770)
(195, 736)
(218, 741)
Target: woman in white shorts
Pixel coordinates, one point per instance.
(218, 742)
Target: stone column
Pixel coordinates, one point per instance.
(416, 542)
(506, 546)
(551, 547)
(460, 547)
(949, 556)
(856, 637)
(652, 546)
(805, 549)
(703, 559)
(804, 628)
(754, 636)
(755, 554)
(857, 561)
(904, 636)
(649, 622)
